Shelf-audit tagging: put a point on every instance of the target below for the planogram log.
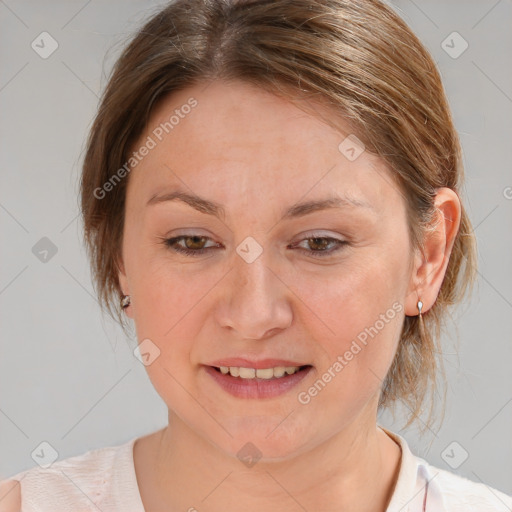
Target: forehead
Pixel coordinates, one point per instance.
(241, 143)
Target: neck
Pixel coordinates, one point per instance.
(355, 470)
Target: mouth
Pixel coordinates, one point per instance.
(276, 372)
(263, 382)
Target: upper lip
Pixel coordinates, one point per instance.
(259, 364)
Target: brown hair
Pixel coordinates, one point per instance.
(356, 56)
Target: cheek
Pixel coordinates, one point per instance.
(166, 314)
(172, 311)
(167, 294)
(347, 300)
(357, 321)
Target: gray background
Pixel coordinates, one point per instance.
(68, 375)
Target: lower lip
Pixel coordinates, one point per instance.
(256, 388)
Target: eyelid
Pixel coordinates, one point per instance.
(172, 244)
(319, 234)
(300, 237)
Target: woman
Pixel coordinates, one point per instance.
(271, 193)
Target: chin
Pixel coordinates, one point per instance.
(269, 440)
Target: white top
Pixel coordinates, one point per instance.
(104, 479)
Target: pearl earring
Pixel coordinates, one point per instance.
(125, 301)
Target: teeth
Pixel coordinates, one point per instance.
(265, 373)
(260, 373)
(246, 373)
(279, 371)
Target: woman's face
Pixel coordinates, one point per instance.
(280, 282)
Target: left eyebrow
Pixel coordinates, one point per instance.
(305, 208)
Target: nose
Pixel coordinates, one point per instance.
(255, 300)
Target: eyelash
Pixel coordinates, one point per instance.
(171, 244)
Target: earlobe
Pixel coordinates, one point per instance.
(124, 299)
(432, 261)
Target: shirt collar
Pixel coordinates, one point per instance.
(416, 489)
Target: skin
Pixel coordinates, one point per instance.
(256, 155)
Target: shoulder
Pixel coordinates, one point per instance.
(461, 494)
(421, 486)
(67, 484)
(10, 496)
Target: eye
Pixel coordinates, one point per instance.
(194, 244)
(319, 246)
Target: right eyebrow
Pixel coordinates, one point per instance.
(199, 203)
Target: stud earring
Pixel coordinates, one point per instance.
(125, 301)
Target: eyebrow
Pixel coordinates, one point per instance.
(297, 210)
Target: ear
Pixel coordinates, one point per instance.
(430, 264)
(124, 284)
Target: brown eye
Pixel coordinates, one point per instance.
(196, 243)
(319, 244)
(190, 245)
(321, 247)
